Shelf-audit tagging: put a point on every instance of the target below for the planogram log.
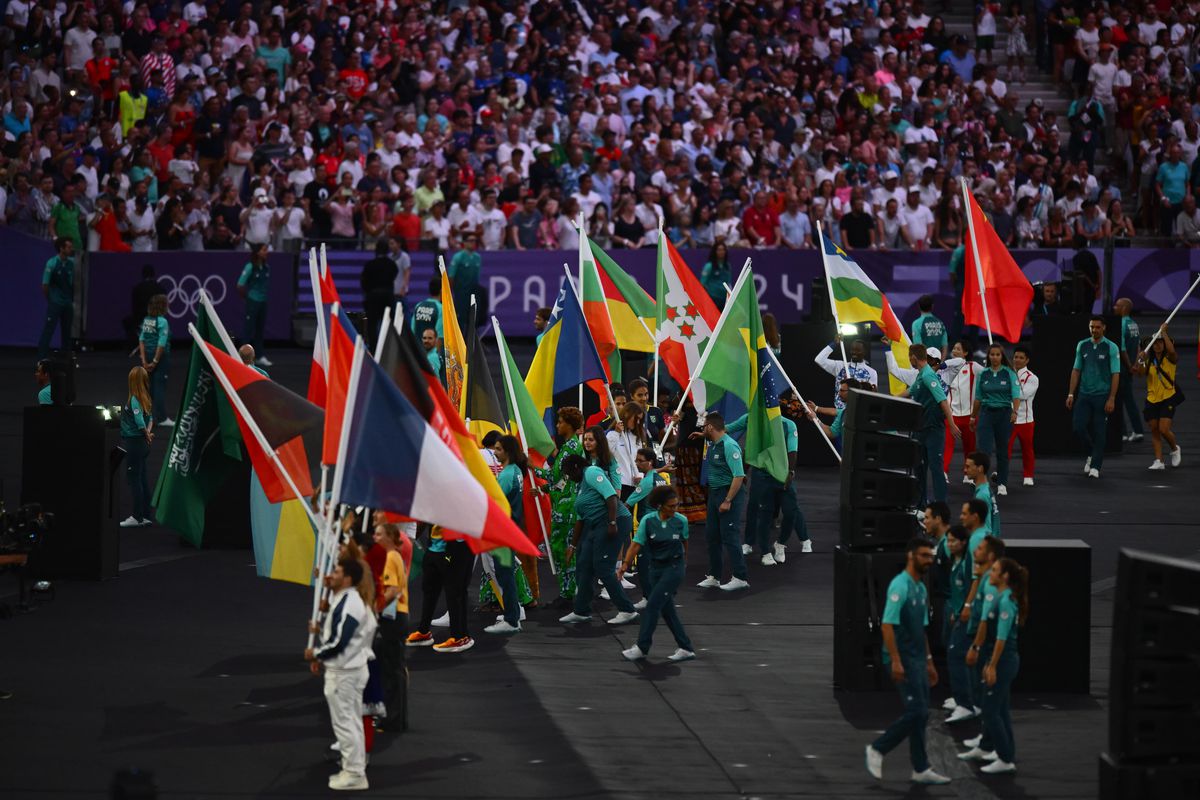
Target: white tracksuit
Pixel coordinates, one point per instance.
(345, 650)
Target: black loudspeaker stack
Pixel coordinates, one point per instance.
(879, 493)
(1154, 705)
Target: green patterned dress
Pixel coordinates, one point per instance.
(510, 482)
(562, 513)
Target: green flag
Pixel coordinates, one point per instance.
(737, 362)
(537, 438)
(205, 445)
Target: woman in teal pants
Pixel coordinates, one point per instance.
(997, 396)
(1003, 616)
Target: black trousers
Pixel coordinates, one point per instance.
(393, 672)
(448, 572)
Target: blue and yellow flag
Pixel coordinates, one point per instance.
(566, 356)
(285, 542)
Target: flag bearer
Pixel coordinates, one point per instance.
(935, 418)
(726, 500)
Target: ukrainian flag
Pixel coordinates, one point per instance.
(285, 542)
(566, 357)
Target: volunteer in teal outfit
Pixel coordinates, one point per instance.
(41, 374)
(726, 501)
(154, 345)
(954, 630)
(638, 503)
(595, 447)
(1131, 348)
(603, 524)
(997, 396)
(928, 329)
(137, 431)
(906, 651)
(975, 468)
(663, 536)
(513, 461)
(255, 286)
(980, 595)
(58, 287)
(936, 419)
(464, 280)
(1096, 375)
(1002, 618)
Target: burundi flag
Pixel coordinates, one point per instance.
(738, 361)
(857, 299)
(685, 317)
(204, 448)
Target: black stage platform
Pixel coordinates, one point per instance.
(189, 666)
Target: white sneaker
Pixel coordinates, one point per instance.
(709, 582)
(604, 594)
(146, 523)
(628, 584)
(573, 618)
(959, 714)
(1087, 465)
(747, 549)
(1027, 482)
(780, 553)
(502, 626)
(976, 754)
(734, 584)
(640, 604)
(166, 423)
(1093, 473)
(345, 782)
(972, 743)
(334, 746)
(1176, 460)
(681, 655)
(633, 654)
(768, 560)
(929, 778)
(1002, 490)
(875, 763)
(442, 622)
(623, 618)
(806, 547)
(263, 361)
(131, 522)
(948, 704)
(1136, 437)
(998, 767)
(1158, 465)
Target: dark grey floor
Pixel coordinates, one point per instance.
(188, 665)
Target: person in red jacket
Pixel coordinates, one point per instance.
(105, 225)
(761, 223)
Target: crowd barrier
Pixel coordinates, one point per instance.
(517, 283)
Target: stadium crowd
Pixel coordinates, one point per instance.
(219, 125)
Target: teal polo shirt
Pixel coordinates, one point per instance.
(927, 390)
(960, 584)
(997, 388)
(791, 436)
(662, 538)
(931, 332)
(1131, 341)
(984, 595)
(592, 500)
(257, 280)
(838, 422)
(724, 462)
(44, 398)
(427, 314)
(1097, 362)
(907, 610)
(992, 523)
(59, 280)
(156, 333)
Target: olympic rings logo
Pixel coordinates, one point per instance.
(183, 296)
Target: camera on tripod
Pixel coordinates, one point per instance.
(22, 531)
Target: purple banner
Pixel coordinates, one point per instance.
(112, 276)
(1156, 279)
(22, 307)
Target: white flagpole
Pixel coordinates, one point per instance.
(707, 352)
(383, 326)
(1178, 306)
(832, 305)
(662, 251)
(819, 427)
(512, 402)
(579, 286)
(216, 321)
(975, 249)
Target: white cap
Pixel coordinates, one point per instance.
(933, 352)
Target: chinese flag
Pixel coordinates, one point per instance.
(1006, 289)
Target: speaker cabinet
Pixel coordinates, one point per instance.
(877, 527)
(880, 489)
(873, 411)
(1156, 780)
(860, 582)
(875, 450)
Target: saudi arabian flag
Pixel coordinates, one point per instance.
(737, 361)
(205, 445)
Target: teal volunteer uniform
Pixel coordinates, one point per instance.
(59, 280)
(1131, 345)
(641, 492)
(931, 332)
(927, 390)
(1097, 362)
(766, 494)
(134, 422)
(156, 333)
(662, 558)
(724, 463)
(257, 280)
(427, 314)
(44, 398)
(907, 611)
(598, 544)
(984, 595)
(991, 525)
(996, 391)
(954, 632)
(510, 482)
(1001, 613)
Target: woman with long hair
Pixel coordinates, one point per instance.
(1162, 396)
(771, 333)
(598, 454)
(509, 579)
(663, 535)
(624, 440)
(994, 412)
(1007, 610)
(568, 424)
(137, 431)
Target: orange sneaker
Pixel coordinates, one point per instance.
(453, 645)
(418, 639)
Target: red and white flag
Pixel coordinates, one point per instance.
(686, 316)
(1006, 290)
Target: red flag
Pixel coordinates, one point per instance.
(281, 416)
(318, 373)
(686, 316)
(341, 356)
(1007, 290)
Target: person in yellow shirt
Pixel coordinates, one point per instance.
(132, 104)
(1162, 396)
(393, 622)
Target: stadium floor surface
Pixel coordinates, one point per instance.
(189, 666)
